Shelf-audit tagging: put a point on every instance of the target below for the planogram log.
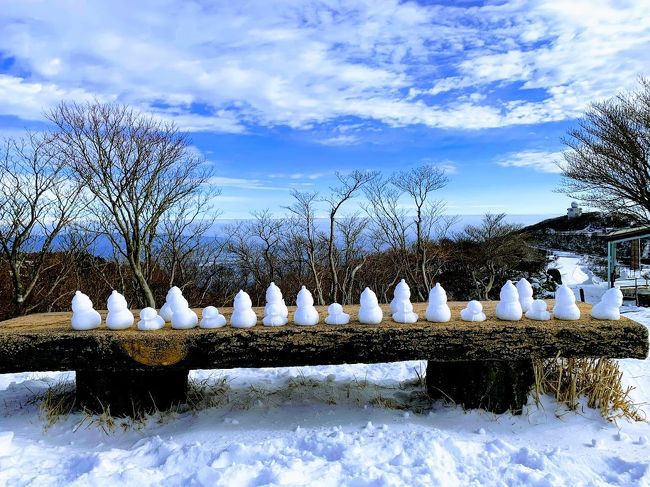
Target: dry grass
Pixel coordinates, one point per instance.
(56, 402)
(596, 379)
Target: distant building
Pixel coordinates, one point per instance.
(574, 211)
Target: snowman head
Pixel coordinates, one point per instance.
(335, 309)
(148, 314)
(564, 296)
(437, 295)
(116, 302)
(539, 305)
(81, 302)
(243, 300)
(402, 291)
(368, 298)
(509, 292)
(524, 288)
(273, 293)
(475, 307)
(210, 312)
(613, 297)
(304, 298)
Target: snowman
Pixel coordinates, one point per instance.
(150, 320)
(119, 317)
(525, 291)
(336, 316)
(275, 311)
(210, 318)
(369, 311)
(565, 304)
(538, 311)
(84, 316)
(609, 306)
(243, 315)
(404, 309)
(509, 308)
(174, 299)
(437, 310)
(305, 314)
(473, 312)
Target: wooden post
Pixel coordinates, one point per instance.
(131, 393)
(494, 385)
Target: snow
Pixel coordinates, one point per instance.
(324, 426)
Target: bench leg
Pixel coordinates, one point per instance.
(131, 393)
(494, 385)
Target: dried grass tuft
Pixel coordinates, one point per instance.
(596, 379)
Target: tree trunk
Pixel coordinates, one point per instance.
(143, 284)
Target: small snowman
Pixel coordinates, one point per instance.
(210, 318)
(84, 316)
(336, 316)
(119, 316)
(525, 291)
(538, 312)
(437, 310)
(305, 314)
(609, 306)
(473, 312)
(183, 317)
(509, 308)
(243, 315)
(565, 304)
(369, 311)
(404, 309)
(173, 299)
(275, 311)
(150, 320)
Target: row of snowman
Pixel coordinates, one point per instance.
(515, 301)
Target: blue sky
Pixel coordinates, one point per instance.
(281, 95)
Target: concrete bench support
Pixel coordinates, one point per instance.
(494, 385)
(131, 393)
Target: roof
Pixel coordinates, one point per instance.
(627, 234)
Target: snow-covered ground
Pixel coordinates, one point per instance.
(327, 426)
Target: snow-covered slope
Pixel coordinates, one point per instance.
(327, 426)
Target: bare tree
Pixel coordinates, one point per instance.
(137, 167)
(37, 204)
(349, 185)
(497, 247)
(409, 236)
(607, 161)
(304, 230)
(419, 183)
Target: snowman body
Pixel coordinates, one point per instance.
(403, 307)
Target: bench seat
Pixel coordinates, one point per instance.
(125, 367)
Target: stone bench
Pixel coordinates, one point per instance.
(487, 364)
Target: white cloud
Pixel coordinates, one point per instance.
(221, 66)
(537, 160)
(242, 183)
